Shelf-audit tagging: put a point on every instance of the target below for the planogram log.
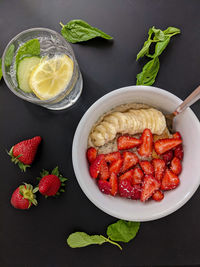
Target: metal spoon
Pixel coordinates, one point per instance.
(191, 99)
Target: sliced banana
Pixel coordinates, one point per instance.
(132, 122)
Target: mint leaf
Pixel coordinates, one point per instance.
(1, 69)
(158, 34)
(81, 239)
(79, 31)
(149, 72)
(28, 49)
(123, 231)
(9, 55)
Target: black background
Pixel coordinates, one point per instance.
(38, 237)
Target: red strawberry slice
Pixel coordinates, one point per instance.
(127, 175)
(176, 166)
(110, 157)
(127, 142)
(146, 148)
(129, 160)
(91, 154)
(158, 195)
(125, 188)
(168, 156)
(137, 176)
(178, 152)
(96, 166)
(159, 167)
(177, 135)
(170, 180)
(114, 184)
(149, 186)
(104, 187)
(147, 167)
(163, 145)
(116, 166)
(104, 172)
(136, 192)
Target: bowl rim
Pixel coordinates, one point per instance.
(156, 216)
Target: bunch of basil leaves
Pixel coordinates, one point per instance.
(160, 39)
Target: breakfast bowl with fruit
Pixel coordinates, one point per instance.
(126, 160)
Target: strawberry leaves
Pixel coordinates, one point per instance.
(16, 160)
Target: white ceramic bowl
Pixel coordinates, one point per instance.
(189, 127)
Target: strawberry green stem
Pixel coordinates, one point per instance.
(62, 24)
(112, 242)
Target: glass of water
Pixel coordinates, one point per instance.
(51, 44)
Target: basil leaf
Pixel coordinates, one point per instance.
(29, 49)
(9, 55)
(149, 72)
(1, 69)
(145, 49)
(160, 46)
(158, 34)
(123, 231)
(79, 31)
(170, 31)
(81, 239)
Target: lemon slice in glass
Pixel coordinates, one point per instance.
(51, 76)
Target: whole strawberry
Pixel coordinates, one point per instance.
(24, 152)
(51, 183)
(23, 197)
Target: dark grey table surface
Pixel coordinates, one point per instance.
(38, 237)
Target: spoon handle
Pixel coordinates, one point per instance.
(191, 99)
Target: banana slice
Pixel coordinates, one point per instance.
(131, 122)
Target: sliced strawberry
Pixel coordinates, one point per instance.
(170, 180)
(149, 186)
(159, 168)
(110, 157)
(96, 166)
(104, 187)
(114, 184)
(91, 154)
(163, 145)
(137, 176)
(136, 192)
(127, 175)
(168, 156)
(147, 167)
(176, 166)
(125, 188)
(129, 160)
(127, 142)
(104, 172)
(178, 152)
(158, 195)
(146, 148)
(177, 135)
(116, 166)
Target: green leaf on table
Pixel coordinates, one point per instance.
(79, 31)
(9, 55)
(160, 47)
(170, 31)
(28, 49)
(149, 72)
(158, 34)
(145, 49)
(0, 69)
(123, 231)
(81, 239)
